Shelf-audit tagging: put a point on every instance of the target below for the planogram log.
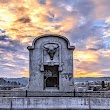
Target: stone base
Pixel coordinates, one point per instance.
(54, 103)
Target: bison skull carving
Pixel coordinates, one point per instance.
(51, 49)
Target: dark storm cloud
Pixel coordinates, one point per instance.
(9, 45)
(4, 38)
(42, 2)
(97, 46)
(85, 7)
(13, 57)
(84, 28)
(24, 20)
(13, 52)
(3, 31)
(93, 49)
(51, 18)
(91, 29)
(7, 48)
(82, 32)
(4, 1)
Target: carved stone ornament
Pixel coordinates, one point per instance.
(51, 49)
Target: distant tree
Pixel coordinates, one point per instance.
(103, 84)
(8, 81)
(108, 85)
(94, 89)
(15, 83)
(18, 83)
(89, 88)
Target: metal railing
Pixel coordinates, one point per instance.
(10, 93)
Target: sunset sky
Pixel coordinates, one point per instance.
(86, 23)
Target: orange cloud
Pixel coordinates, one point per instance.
(29, 18)
(25, 73)
(84, 73)
(86, 56)
(84, 64)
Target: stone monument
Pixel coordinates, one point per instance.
(51, 64)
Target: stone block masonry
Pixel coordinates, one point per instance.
(56, 103)
(51, 64)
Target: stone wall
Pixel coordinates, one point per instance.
(36, 103)
(54, 100)
(54, 94)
